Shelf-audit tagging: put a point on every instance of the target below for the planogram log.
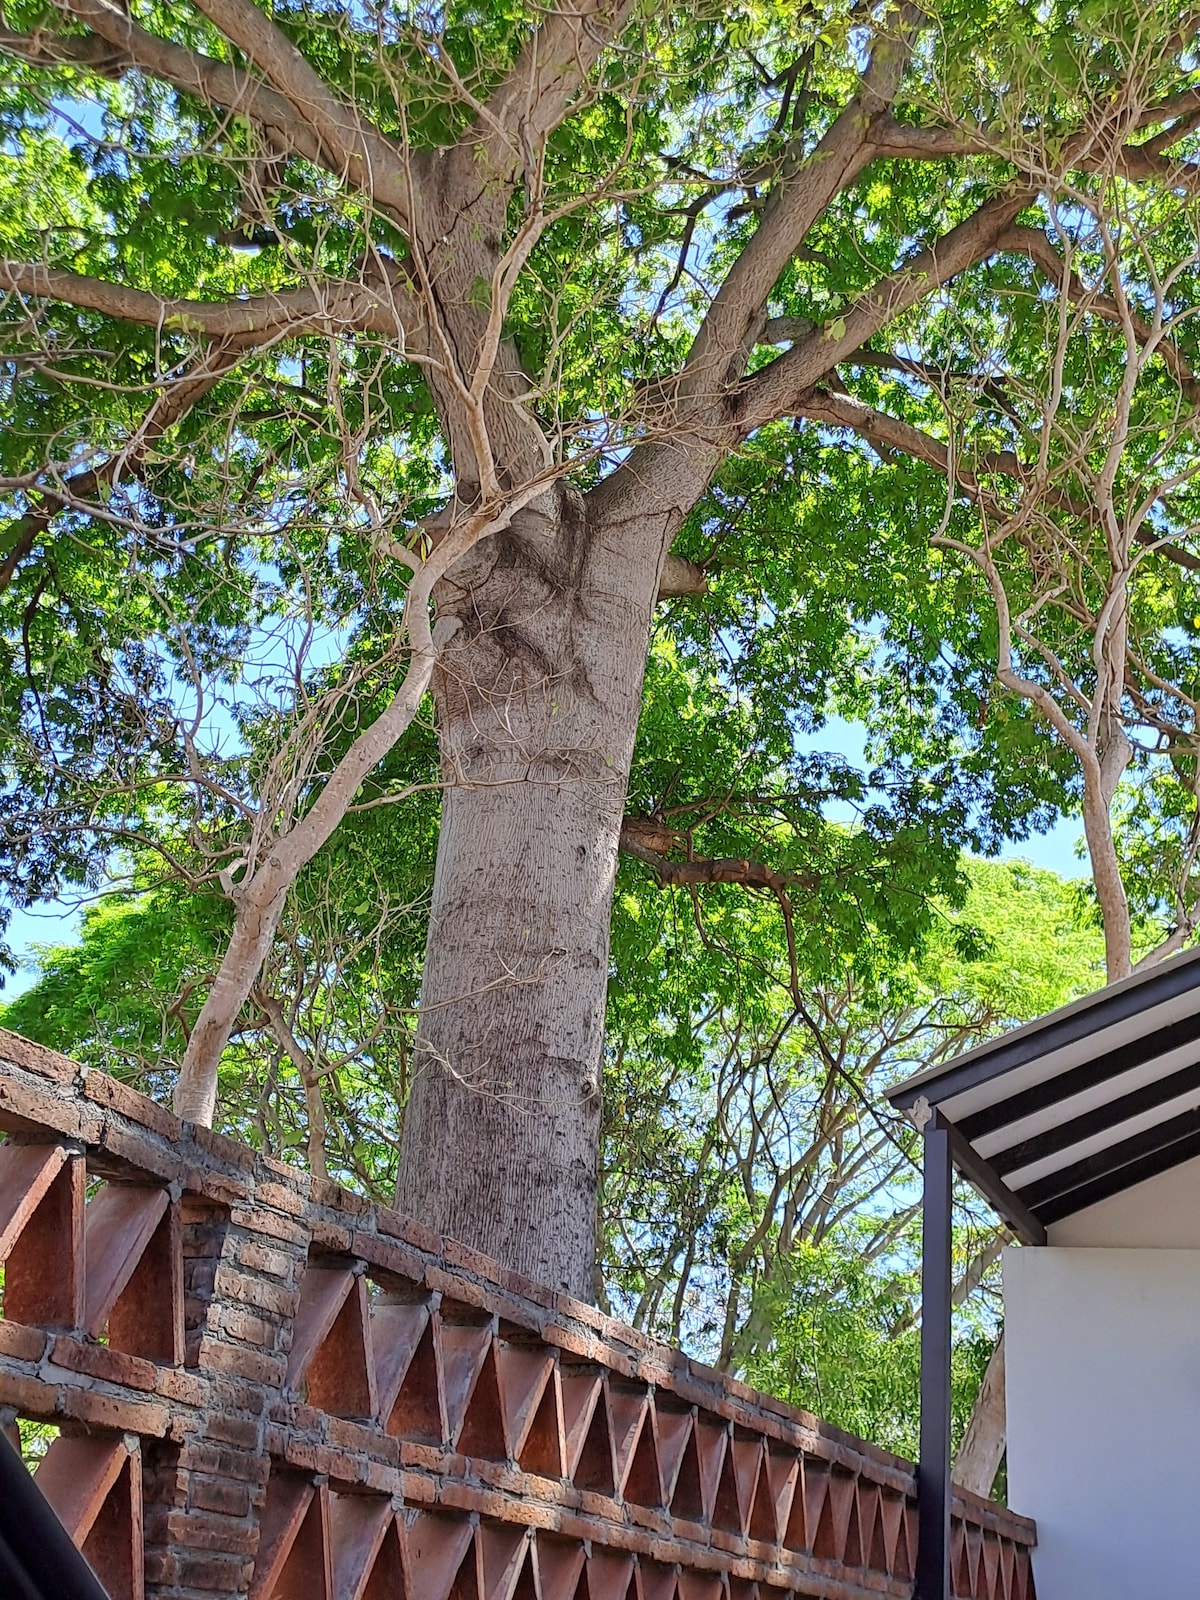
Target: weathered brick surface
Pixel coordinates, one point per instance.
(507, 1439)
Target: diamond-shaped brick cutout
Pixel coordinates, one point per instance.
(42, 1188)
(95, 1486)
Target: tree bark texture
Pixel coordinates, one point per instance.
(537, 697)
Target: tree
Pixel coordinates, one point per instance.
(573, 263)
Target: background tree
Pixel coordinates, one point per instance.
(509, 317)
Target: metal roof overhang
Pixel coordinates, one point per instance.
(1086, 1102)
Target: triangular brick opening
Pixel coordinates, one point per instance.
(712, 1444)
(701, 1586)
(386, 1581)
(42, 1190)
(629, 1410)
(796, 1532)
(854, 1549)
(95, 1487)
(779, 1481)
(819, 1512)
(483, 1432)
(672, 1433)
(322, 1295)
(643, 1482)
(419, 1410)
(397, 1327)
(524, 1373)
(341, 1374)
(655, 1580)
(610, 1576)
(505, 1562)
(463, 1347)
(875, 1554)
(744, 1589)
(889, 1529)
(440, 1558)
(687, 1497)
(365, 1546)
(146, 1318)
(727, 1510)
(543, 1449)
(294, 1551)
(559, 1564)
(595, 1469)
(581, 1394)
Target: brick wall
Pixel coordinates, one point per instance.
(264, 1385)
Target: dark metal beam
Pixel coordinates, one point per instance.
(1118, 1003)
(1119, 1178)
(1011, 1208)
(1110, 1115)
(1124, 1157)
(933, 1468)
(1149, 1046)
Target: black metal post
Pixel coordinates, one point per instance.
(37, 1559)
(933, 1469)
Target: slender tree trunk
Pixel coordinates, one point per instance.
(1110, 890)
(537, 699)
(249, 946)
(982, 1450)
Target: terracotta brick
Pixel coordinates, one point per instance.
(243, 1362)
(139, 1108)
(114, 1412)
(21, 1343)
(280, 1197)
(37, 1058)
(261, 1293)
(262, 1258)
(30, 1396)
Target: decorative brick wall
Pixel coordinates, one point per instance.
(266, 1386)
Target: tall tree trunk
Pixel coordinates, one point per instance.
(537, 700)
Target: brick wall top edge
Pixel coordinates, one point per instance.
(197, 1151)
(37, 1058)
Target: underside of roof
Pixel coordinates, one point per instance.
(1091, 1100)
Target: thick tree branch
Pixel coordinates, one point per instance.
(888, 433)
(216, 83)
(1032, 242)
(259, 317)
(354, 148)
(718, 869)
(775, 390)
(804, 189)
(681, 576)
(540, 90)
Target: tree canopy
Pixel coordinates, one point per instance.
(448, 450)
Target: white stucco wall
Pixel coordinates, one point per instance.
(1103, 1401)
(1161, 1214)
